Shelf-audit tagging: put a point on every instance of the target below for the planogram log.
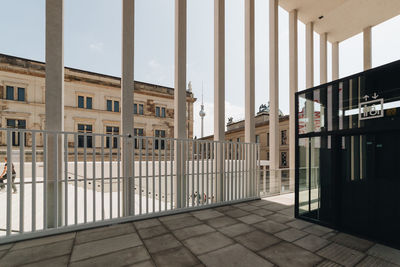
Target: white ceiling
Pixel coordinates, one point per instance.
(343, 19)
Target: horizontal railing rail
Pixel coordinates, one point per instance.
(85, 185)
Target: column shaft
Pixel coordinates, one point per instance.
(309, 55)
(127, 88)
(180, 100)
(54, 106)
(293, 86)
(323, 58)
(335, 61)
(367, 41)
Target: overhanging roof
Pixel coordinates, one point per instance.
(342, 19)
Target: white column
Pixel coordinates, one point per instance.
(274, 97)
(323, 58)
(249, 71)
(180, 99)
(335, 61)
(54, 105)
(367, 41)
(127, 88)
(219, 88)
(309, 55)
(293, 86)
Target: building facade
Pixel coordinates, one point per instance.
(235, 133)
(92, 102)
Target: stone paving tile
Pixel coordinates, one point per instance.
(352, 242)
(43, 241)
(389, 254)
(288, 212)
(280, 218)
(270, 226)
(118, 258)
(329, 235)
(206, 214)
(3, 252)
(258, 203)
(146, 223)
(312, 242)
(221, 221)
(235, 213)
(152, 231)
(175, 217)
(262, 212)
(341, 254)
(328, 263)
(37, 253)
(299, 224)
(188, 232)
(103, 246)
(175, 257)
(103, 232)
(252, 218)
(181, 222)
(291, 234)
(286, 254)
(240, 205)
(235, 255)
(6, 246)
(371, 261)
(275, 207)
(257, 240)
(317, 230)
(143, 264)
(57, 261)
(248, 208)
(161, 243)
(236, 229)
(224, 208)
(206, 243)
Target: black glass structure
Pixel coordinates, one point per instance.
(348, 154)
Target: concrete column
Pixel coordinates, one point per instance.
(335, 61)
(323, 58)
(180, 100)
(367, 42)
(293, 87)
(219, 88)
(309, 55)
(273, 97)
(249, 71)
(54, 105)
(127, 88)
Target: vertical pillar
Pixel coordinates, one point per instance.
(54, 105)
(180, 100)
(323, 58)
(219, 89)
(367, 41)
(309, 55)
(275, 182)
(127, 88)
(249, 71)
(335, 61)
(293, 86)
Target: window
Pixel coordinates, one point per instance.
(160, 134)
(284, 137)
(109, 105)
(88, 102)
(116, 106)
(267, 139)
(113, 131)
(138, 132)
(135, 109)
(157, 111)
(85, 128)
(10, 93)
(238, 139)
(162, 112)
(83, 99)
(21, 94)
(284, 159)
(257, 138)
(19, 124)
(267, 155)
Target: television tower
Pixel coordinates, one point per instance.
(202, 114)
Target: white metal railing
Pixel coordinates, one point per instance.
(88, 189)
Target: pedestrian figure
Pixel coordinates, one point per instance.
(3, 177)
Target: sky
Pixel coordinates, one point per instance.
(92, 42)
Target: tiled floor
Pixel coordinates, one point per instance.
(257, 233)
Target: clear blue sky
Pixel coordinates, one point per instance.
(93, 42)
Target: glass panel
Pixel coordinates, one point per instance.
(157, 111)
(109, 105)
(10, 93)
(315, 176)
(88, 102)
(11, 123)
(304, 153)
(21, 94)
(135, 109)
(163, 112)
(306, 113)
(81, 102)
(116, 106)
(141, 109)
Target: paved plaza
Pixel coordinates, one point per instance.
(256, 233)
